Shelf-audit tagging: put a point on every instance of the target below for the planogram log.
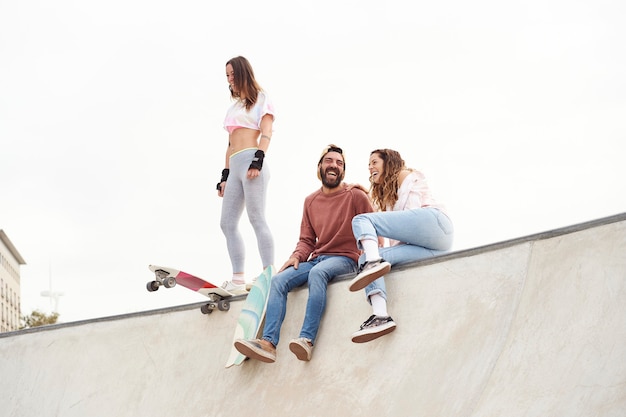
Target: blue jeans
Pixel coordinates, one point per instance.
(426, 232)
(317, 273)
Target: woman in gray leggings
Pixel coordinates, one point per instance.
(249, 122)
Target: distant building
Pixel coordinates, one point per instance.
(10, 261)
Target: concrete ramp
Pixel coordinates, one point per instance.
(534, 326)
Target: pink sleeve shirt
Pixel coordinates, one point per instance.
(237, 116)
(414, 193)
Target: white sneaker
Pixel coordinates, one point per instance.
(250, 284)
(233, 288)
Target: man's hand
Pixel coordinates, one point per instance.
(290, 262)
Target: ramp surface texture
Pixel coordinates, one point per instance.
(534, 326)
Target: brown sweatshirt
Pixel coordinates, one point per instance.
(326, 227)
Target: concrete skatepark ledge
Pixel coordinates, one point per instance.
(534, 326)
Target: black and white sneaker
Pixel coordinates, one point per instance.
(373, 328)
(369, 272)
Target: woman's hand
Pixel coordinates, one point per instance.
(220, 190)
(359, 186)
(253, 173)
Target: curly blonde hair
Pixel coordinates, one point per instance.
(385, 193)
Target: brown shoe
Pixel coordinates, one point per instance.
(259, 349)
(302, 348)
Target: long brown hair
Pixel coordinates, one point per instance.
(247, 86)
(385, 193)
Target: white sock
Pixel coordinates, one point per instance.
(379, 305)
(370, 247)
(239, 278)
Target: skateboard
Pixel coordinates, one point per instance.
(252, 314)
(169, 277)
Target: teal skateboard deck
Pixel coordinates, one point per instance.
(252, 314)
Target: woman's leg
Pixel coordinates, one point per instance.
(255, 192)
(426, 227)
(232, 209)
(425, 232)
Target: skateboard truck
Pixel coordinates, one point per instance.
(216, 302)
(161, 278)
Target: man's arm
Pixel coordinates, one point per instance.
(305, 245)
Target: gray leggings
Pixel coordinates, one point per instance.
(243, 193)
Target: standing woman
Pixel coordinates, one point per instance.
(249, 122)
(416, 225)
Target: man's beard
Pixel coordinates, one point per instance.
(336, 182)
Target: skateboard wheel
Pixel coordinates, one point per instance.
(207, 309)
(223, 305)
(152, 286)
(169, 282)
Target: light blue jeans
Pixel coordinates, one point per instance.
(426, 232)
(317, 273)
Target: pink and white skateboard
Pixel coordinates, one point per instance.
(169, 277)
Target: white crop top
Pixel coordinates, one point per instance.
(237, 116)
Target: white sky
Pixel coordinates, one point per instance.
(111, 137)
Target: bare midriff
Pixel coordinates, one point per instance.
(243, 138)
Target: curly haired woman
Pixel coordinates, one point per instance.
(416, 225)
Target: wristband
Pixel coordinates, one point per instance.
(225, 173)
(257, 161)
